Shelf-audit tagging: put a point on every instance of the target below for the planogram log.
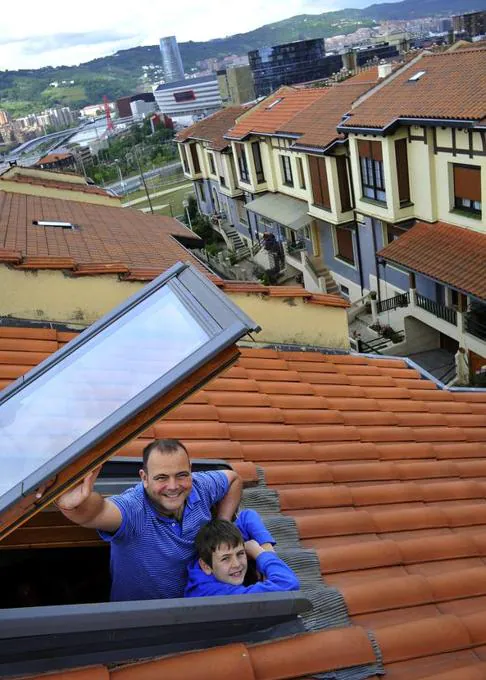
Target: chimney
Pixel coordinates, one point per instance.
(384, 69)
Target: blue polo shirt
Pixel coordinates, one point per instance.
(150, 552)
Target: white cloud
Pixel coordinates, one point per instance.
(47, 34)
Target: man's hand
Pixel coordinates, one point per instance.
(72, 499)
(253, 549)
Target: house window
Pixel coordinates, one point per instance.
(320, 187)
(212, 167)
(287, 178)
(300, 173)
(391, 232)
(344, 290)
(467, 188)
(372, 175)
(185, 163)
(242, 164)
(241, 211)
(343, 181)
(195, 159)
(401, 157)
(202, 193)
(257, 159)
(344, 245)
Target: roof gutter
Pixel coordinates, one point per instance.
(424, 122)
(322, 150)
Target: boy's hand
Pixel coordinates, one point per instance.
(253, 549)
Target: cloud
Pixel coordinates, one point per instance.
(59, 41)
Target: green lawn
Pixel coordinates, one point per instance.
(173, 202)
(65, 95)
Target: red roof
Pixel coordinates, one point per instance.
(53, 183)
(454, 255)
(53, 158)
(452, 86)
(384, 475)
(213, 128)
(274, 112)
(106, 239)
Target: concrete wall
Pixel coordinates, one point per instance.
(53, 296)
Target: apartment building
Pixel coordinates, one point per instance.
(417, 148)
(373, 186)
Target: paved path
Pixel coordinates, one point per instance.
(142, 199)
(155, 207)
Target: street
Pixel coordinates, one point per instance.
(132, 183)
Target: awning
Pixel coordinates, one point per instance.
(452, 255)
(285, 210)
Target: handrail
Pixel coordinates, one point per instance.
(401, 300)
(437, 309)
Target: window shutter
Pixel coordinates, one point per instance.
(314, 173)
(364, 148)
(401, 155)
(369, 149)
(342, 173)
(344, 239)
(467, 182)
(376, 151)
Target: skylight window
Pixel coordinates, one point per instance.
(274, 103)
(53, 223)
(103, 388)
(416, 76)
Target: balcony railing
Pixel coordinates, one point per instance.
(296, 247)
(475, 326)
(437, 309)
(387, 305)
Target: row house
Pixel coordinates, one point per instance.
(417, 149)
(374, 185)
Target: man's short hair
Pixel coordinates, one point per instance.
(214, 534)
(162, 446)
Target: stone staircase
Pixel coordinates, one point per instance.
(239, 247)
(321, 271)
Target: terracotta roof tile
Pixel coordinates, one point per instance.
(452, 254)
(105, 236)
(387, 484)
(53, 183)
(213, 128)
(457, 74)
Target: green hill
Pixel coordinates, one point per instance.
(27, 91)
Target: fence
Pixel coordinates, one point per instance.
(387, 305)
(437, 309)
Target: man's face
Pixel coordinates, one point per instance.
(229, 564)
(168, 480)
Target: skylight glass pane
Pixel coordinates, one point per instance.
(105, 373)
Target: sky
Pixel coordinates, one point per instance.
(49, 34)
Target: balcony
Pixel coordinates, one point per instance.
(437, 309)
(475, 325)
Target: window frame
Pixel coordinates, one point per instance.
(337, 253)
(372, 172)
(257, 160)
(212, 164)
(459, 200)
(286, 168)
(223, 322)
(300, 172)
(242, 163)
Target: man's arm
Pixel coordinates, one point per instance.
(84, 506)
(228, 505)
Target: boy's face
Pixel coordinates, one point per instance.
(229, 564)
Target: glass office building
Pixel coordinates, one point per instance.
(295, 62)
(171, 59)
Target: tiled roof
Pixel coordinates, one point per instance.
(274, 112)
(452, 87)
(53, 157)
(385, 477)
(213, 128)
(107, 240)
(254, 288)
(317, 123)
(55, 184)
(450, 254)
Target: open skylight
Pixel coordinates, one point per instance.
(274, 103)
(416, 76)
(88, 399)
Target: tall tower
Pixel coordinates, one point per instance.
(171, 59)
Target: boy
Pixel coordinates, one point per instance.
(222, 562)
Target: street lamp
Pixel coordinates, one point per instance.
(185, 205)
(122, 181)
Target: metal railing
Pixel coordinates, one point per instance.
(475, 326)
(437, 309)
(387, 305)
(296, 247)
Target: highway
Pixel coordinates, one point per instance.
(133, 183)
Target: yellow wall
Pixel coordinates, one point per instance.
(69, 177)
(78, 302)
(290, 320)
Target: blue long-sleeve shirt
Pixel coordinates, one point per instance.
(278, 577)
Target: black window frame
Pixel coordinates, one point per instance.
(286, 167)
(242, 164)
(372, 173)
(300, 172)
(257, 159)
(212, 164)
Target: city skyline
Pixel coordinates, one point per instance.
(50, 39)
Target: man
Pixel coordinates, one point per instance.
(152, 526)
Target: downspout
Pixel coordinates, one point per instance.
(360, 264)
